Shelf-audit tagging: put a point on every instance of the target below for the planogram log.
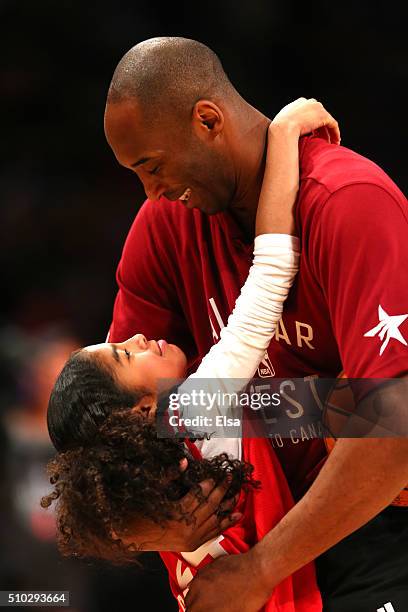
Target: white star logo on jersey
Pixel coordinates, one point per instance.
(388, 328)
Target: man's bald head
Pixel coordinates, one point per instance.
(174, 118)
(169, 71)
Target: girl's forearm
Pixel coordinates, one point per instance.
(281, 181)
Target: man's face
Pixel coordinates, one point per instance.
(171, 160)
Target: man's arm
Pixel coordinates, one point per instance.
(360, 245)
(360, 478)
(335, 506)
(361, 249)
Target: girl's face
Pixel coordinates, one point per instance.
(141, 363)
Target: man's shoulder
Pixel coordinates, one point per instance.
(329, 168)
(169, 221)
(164, 212)
(344, 193)
(163, 227)
(163, 222)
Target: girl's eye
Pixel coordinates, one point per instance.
(127, 353)
(155, 170)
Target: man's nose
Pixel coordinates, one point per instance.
(154, 189)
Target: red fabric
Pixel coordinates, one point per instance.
(262, 509)
(181, 272)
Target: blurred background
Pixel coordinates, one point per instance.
(66, 205)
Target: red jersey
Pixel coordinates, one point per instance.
(262, 509)
(181, 272)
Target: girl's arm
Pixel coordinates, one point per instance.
(281, 177)
(232, 362)
(259, 307)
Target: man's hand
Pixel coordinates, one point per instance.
(359, 479)
(229, 584)
(306, 116)
(202, 518)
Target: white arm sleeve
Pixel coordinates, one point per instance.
(251, 325)
(232, 363)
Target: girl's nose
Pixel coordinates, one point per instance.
(141, 339)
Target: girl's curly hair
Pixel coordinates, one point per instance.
(128, 472)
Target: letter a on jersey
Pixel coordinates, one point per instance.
(388, 328)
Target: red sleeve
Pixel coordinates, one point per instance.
(147, 300)
(360, 255)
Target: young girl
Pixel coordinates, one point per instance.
(115, 481)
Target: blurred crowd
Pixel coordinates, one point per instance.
(65, 206)
(29, 559)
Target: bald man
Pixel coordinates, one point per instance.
(175, 120)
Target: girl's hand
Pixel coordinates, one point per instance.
(306, 116)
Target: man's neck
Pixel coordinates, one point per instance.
(250, 154)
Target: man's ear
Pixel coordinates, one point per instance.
(208, 119)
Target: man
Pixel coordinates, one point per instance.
(174, 118)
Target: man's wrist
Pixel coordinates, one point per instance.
(265, 575)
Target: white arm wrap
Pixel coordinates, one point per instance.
(231, 363)
(251, 325)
